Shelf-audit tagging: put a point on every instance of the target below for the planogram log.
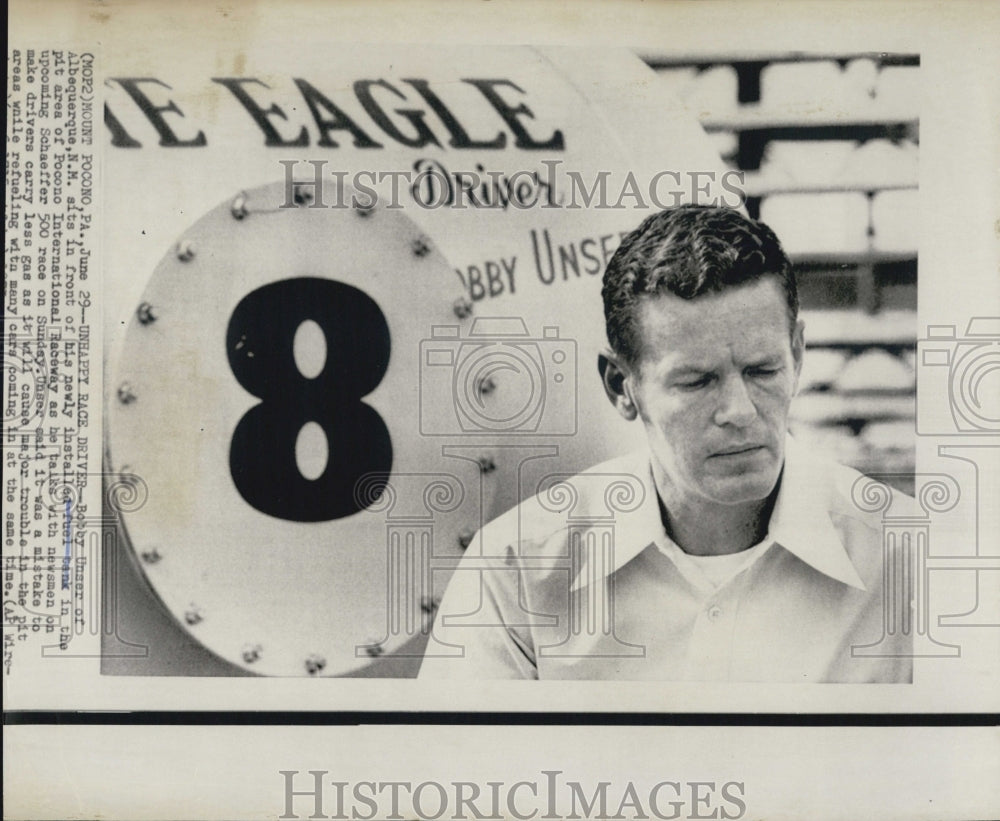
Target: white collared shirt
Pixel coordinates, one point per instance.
(582, 582)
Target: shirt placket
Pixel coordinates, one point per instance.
(710, 649)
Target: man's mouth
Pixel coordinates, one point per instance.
(738, 450)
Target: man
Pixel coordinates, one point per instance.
(730, 553)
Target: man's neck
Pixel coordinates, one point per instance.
(704, 528)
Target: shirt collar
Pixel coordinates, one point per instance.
(800, 522)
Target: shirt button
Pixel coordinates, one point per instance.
(715, 612)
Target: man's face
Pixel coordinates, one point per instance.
(713, 384)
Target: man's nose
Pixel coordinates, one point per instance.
(735, 406)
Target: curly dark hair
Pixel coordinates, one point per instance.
(688, 251)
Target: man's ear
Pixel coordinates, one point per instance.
(615, 377)
(798, 351)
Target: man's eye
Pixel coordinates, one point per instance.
(764, 372)
(692, 384)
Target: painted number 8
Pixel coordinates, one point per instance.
(259, 344)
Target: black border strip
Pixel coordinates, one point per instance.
(315, 718)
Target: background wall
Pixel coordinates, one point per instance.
(829, 148)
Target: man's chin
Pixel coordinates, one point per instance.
(752, 486)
